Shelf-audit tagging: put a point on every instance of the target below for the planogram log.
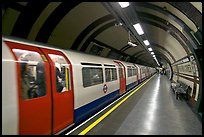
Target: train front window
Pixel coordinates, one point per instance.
(32, 74)
(62, 73)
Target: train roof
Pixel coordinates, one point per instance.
(84, 58)
(75, 57)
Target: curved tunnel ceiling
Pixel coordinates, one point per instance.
(103, 28)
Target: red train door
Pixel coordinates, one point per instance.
(121, 69)
(34, 96)
(62, 89)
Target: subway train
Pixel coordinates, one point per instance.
(46, 90)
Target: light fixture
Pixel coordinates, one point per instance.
(124, 4)
(152, 53)
(150, 49)
(157, 61)
(129, 41)
(153, 56)
(138, 29)
(118, 24)
(131, 44)
(146, 42)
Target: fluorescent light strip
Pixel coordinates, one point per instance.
(138, 29)
(157, 61)
(124, 4)
(152, 53)
(146, 42)
(150, 49)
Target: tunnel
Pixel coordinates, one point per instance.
(169, 36)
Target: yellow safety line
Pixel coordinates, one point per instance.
(111, 110)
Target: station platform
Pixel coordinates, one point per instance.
(149, 109)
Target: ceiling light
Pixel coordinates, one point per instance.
(124, 4)
(152, 53)
(150, 49)
(146, 42)
(138, 29)
(118, 24)
(157, 61)
(153, 56)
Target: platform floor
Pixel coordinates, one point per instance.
(152, 110)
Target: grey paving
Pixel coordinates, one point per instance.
(152, 110)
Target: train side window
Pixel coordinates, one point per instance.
(134, 72)
(32, 74)
(92, 76)
(110, 74)
(129, 69)
(62, 73)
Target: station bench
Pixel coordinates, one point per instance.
(181, 89)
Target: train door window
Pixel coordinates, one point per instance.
(62, 73)
(114, 74)
(92, 76)
(120, 72)
(134, 71)
(110, 74)
(32, 74)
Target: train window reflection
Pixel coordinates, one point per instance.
(129, 69)
(62, 73)
(110, 74)
(120, 72)
(134, 71)
(32, 74)
(92, 76)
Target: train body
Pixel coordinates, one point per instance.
(46, 89)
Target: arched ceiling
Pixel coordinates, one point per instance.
(104, 28)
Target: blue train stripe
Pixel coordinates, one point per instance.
(130, 86)
(89, 109)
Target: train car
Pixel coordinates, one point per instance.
(143, 72)
(139, 73)
(46, 90)
(131, 75)
(96, 83)
(152, 71)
